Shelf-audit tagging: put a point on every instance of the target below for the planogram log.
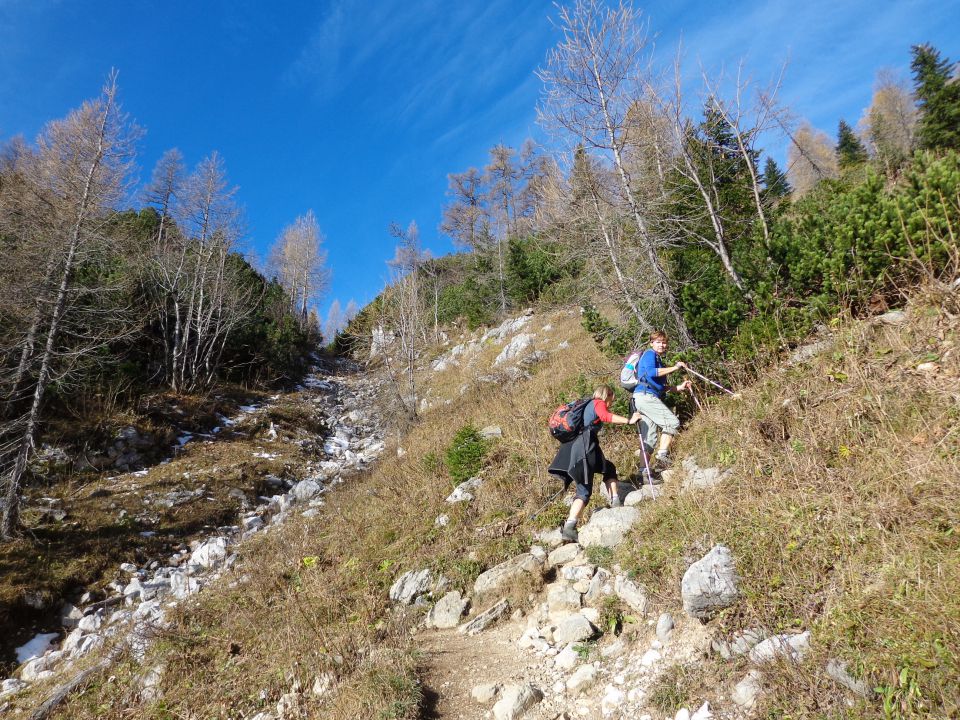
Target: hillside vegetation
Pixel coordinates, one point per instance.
(841, 512)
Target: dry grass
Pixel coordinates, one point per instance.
(843, 514)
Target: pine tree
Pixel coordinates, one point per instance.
(850, 151)
(938, 94)
(775, 180)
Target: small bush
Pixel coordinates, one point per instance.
(464, 457)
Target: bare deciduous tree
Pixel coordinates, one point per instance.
(299, 260)
(889, 124)
(79, 170)
(810, 159)
(592, 79)
(209, 299)
(403, 312)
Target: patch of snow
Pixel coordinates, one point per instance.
(35, 647)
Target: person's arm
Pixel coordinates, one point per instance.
(604, 414)
(673, 368)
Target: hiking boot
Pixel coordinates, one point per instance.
(615, 501)
(663, 460)
(569, 532)
(648, 478)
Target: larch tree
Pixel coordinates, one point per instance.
(591, 79)
(300, 262)
(80, 169)
(404, 310)
(889, 124)
(211, 301)
(810, 159)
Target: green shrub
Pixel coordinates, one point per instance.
(464, 457)
(532, 268)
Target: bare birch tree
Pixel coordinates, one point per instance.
(591, 80)
(80, 169)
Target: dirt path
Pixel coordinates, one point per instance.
(456, 663)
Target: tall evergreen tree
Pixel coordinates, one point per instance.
(850, 151)
(938, 93)
(774, 180)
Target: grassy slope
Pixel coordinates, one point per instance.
(842, 513)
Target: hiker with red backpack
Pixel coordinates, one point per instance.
(580, 456)
(644, 374)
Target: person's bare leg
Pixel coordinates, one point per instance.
(575, 509)
(664, 446)
(612, 490)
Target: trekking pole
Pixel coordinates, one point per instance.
(549, 502)
(715, 384)
(646, 462)
(695, 400)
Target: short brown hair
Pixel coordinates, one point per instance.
(604, 392)
(659, 335)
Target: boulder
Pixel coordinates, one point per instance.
(500, 577)
(631, 593)
(486, 692)
(576, 572)
(210, 554)
(411, 585)
(513, 348)
(491, 432)
(515, 700)
(837, 670)
(567, 658)
(607, 528)
(447, 612)
(562, 555)
(485, 619)
(600, 587)
(636, 497)
(698, 478)
(305, 490)
(573, 628)
(464, 491)
(710, 584)
(561, 599)
(746, 692)
(664, 627)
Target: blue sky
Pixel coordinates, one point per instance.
(359, 110)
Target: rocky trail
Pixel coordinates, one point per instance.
(129, 611)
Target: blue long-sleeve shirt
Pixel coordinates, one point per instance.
(647, 368)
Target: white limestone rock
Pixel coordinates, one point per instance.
(710, 584)
(501, 576)
(515, 700)
(584, 677)
(608, 527)
(447, 612)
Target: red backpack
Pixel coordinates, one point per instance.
(566, 422)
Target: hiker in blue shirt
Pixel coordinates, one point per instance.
(648, 398)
